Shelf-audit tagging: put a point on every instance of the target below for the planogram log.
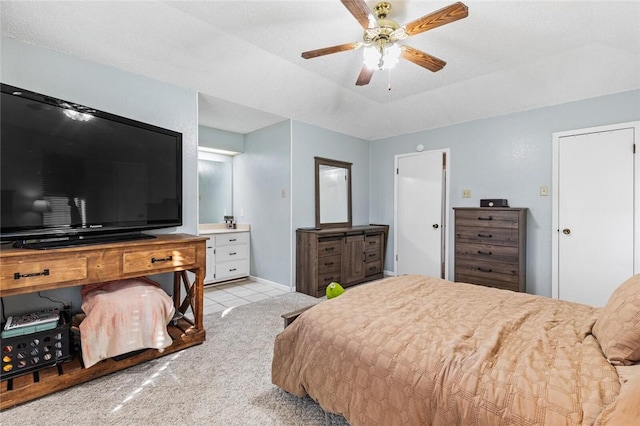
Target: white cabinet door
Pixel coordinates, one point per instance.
(594, 223)
(211, 261)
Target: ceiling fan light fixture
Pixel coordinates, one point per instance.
(371, 57)
(382, 34)
(391, 56)
(381, 57)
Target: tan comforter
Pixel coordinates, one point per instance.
(415, 350)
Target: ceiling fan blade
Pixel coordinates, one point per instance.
(361, 12)
(423, 59)
(440, 17)
(333, 49)
(365, 76)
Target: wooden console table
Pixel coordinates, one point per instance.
(22, 271)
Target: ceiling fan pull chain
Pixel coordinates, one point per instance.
(389, 86)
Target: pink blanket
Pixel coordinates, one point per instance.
(124, 316)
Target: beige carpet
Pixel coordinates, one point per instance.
(225, 381)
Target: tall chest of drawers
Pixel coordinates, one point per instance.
(490, 247)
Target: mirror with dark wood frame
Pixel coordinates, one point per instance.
(333, 193)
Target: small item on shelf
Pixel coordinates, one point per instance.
(494, 202)
(32, 352)
(18, 325)
(230, 222)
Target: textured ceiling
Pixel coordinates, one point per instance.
(243, 57)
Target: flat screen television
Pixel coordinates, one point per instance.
(71, 174)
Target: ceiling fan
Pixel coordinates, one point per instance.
(381, 50)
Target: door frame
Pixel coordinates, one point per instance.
(446, 207)
(555, 230)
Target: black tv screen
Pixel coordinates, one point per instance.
(71, 172)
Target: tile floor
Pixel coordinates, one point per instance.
(218, 298)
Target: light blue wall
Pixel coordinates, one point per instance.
(260, 174)
(310, 141)
(281, 158)
(109, 89)
(501, 157)
(220, 139)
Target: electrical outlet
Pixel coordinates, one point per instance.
(544, 191)
(466, 193)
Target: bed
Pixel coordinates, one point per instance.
(418, 350)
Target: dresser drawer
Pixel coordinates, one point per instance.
(163, 258)
(487, 252)
(233, 238)
(373, 242)
(493, 274)
(230, 253)
(324, 279)
(373, 268)
(488, 281)
(23, 274)
(329, 264)
(329, 246)
(487, 218)
(371, 256)
(502, 236)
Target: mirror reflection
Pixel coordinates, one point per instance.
(215, 187)
(333, 193)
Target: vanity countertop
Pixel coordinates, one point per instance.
(221, 228)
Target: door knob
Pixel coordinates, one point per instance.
(566, 231)
(435, 226)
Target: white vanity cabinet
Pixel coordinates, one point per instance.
(227, 256)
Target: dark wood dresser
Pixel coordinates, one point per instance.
(348, 256)
(490, 247)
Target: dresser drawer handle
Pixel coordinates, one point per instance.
(485, 218)
(233, 239)
(329, 279)
(485, 269)
(164, 259)
(329, 248)
(18, 275)
(233, 254)
(485, 235)
(373, 254)
(488, 253)
(233, 269)
(328, 263)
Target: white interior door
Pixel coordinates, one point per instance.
(594, 198)
(420, 226)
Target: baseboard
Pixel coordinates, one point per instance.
(262, 280)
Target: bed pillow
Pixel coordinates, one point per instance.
(618, 326)
(124, 316)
